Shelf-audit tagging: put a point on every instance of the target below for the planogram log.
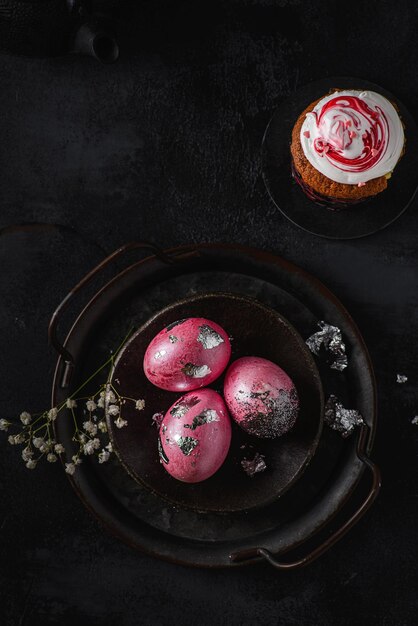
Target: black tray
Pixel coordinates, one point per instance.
(148, 522)
(351, 222)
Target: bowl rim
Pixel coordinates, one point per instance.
(310, 363)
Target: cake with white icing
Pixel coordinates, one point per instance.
(346, 145)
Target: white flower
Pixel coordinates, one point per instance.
(52, 414)
(102, 427)
(4, 424)
(120, 423)
(70, 404)
(31, 464)
(88, 448)
(27, 454)
(101, 401)
(59, 448)
(104, 456)
(51, 458)
(89, 427)
(82, 438)
(76, 460)
(15, 439)
(44, 447)
(19, 438)
(110, 397)
(140, 405)
(25, 418)
(91, 405)
(109, 446)
(113, 409)
(91, 446)
(38, 442)
(70, 468)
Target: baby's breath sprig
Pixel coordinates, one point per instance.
(35, 431)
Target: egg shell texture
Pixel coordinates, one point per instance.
(187, 354)
(195, 436)
(261, 397)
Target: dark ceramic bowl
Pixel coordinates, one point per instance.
(256, 331)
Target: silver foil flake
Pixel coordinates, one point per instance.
(208, 337)
(414, 420)
(205, 417)
(159, 354)
(173, 338)
(401, 378)
(156, 419)
(183, 406)
(162, 454)
(196, 371)
(179, 410)
(341, 419)
(255, 466)
(187, 444)
(330, 338)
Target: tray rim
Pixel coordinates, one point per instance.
(184, 252)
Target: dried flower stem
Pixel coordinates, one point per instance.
(106, 400)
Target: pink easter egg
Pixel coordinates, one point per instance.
(195, 436)
(261, 397)
(188, 354)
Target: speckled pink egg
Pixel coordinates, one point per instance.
(261, 397)
(188, 354)
(195, 436)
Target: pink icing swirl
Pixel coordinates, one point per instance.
(340, 123)
(353, 136)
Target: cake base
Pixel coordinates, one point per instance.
(333, 204)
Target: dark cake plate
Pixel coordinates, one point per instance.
(350, 222)
(138, 514)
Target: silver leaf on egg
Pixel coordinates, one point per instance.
(196, 371)
(205, 417)
(187, 444)
(208, 337)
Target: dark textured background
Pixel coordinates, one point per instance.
(165, 145)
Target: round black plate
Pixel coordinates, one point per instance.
(359, 220)
(257, 331)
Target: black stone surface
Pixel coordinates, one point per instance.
(165, 145)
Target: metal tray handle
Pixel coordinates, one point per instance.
(56, 316)
(254, 553)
